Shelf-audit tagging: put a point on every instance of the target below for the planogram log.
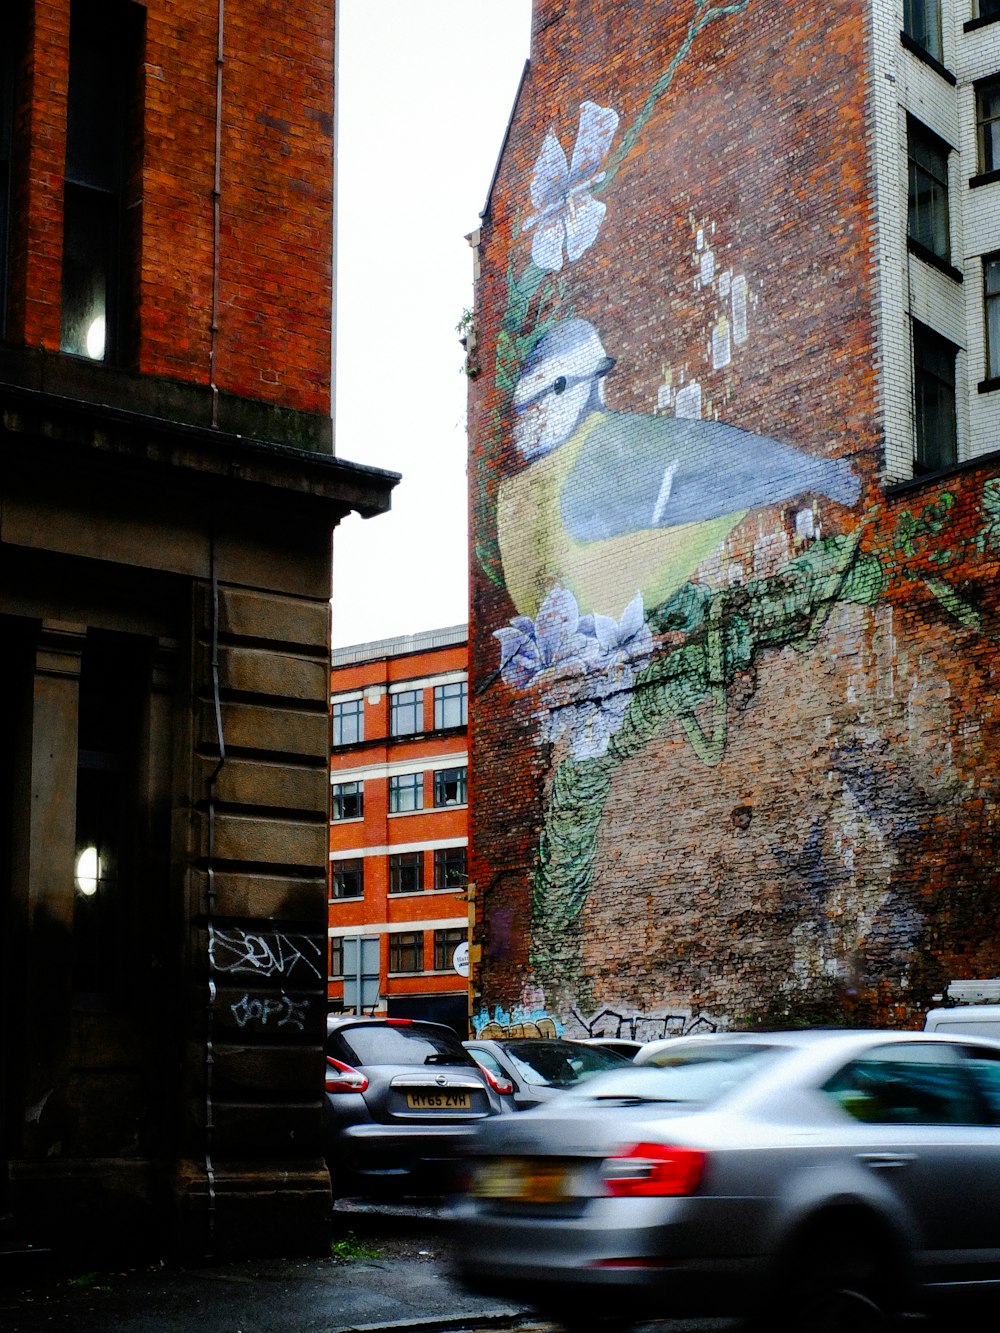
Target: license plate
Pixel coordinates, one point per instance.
(439, 1101)
(524, 1181)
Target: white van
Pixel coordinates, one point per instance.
(966, 1020)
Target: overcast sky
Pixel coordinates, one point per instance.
(424, 92)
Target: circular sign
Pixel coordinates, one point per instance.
(460, 959)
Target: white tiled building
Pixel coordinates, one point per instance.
(935, 74)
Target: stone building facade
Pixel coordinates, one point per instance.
(168, 494)
(735, 496)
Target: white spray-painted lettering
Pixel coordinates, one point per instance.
(280, 1009)
(266, 955)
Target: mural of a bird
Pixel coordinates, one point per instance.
(615, 502)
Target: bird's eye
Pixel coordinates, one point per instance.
(560, 385)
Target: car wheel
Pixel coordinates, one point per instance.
(834, 1286)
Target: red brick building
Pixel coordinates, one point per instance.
(399, 888)
(734, 420)
(168, 489)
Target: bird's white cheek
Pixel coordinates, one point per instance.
(527, 432)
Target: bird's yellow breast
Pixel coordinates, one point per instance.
(538, 553)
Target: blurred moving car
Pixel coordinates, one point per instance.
(664, 1049)
(624, 1046)
(400, 1096)
(811, 1180)
(539, 1068)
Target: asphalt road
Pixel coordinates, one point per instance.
(385, 1274)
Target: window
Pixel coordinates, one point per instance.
(451, 705)
(348, 878)
(406, 792)
(928, 223)
(934, 400)
(450, 786)
(348, 800)
(988, 124)
(991, 298)
(348, 721)
(336, 956)
(103, 53)
(989, 9)
(406, 872)
(406, 951)
(445, 944)
(907, 1084)
(922, 23)
(449, 868)
(406, 713)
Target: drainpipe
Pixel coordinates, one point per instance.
(216, 210)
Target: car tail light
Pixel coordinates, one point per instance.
(653, 1169)
(497, 1082)
(342, 1078)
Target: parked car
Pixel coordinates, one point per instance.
(401, 1095)
(624, 1046)
(538, 1068)
(813, 1180)
(975, 1020)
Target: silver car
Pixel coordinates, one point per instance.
(808, 1180)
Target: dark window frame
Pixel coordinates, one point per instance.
(445, 699)
(988, 125)
(343, 710)
(451, 867)
(399, 785)
(934, 398)
(928, 158)
(346, 803)
(406, 872)
(101, 173)
(446, 941)
(347, 878)
(922, 26)
(454, 781)
(336, 957)
(991, 315)
(406, 951)
(406, 713)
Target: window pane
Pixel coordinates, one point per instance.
(907, 1085)
(991, 287)
(348, 878)
(928, 192)
(988, 116)
(451, 705)
(406, 792)
(922, 22)
(407, 712)
(989, 9)
(406, 952)
(348, 800)
(450, 786)
(406, 872)
(445, 944)
(934, 400)
(449, 868)
(348, 721)
(336, 956)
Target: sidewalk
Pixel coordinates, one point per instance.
(383, 1272)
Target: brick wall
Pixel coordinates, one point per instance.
(770, 793)
(275, 207)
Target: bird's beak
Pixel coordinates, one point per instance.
(604, 365)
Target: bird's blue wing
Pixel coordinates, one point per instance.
(635, 473)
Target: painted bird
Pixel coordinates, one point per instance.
(611, 502)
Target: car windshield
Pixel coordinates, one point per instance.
(389, 1044)
(697, 1077)
(559, 1064)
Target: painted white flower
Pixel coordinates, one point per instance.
(568, 216)
(584, 668)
